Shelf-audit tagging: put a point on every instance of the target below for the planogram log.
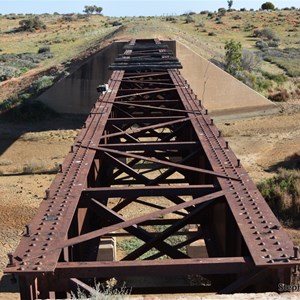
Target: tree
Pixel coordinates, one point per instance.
(233, 57)
(90, 9)
(268, 6)
(230, 2)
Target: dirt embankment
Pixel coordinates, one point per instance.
(263, 143)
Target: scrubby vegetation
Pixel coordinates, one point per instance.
(13, 65)
(32, 24)
(106, 291)
(267, 38)
(282, 193)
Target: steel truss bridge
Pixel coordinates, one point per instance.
(149, 165)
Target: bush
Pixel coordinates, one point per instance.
(32, 24)
(236, 17)
(278, 78)
(247, 78)
(189, 19)
(266, 33)
(221, 11)
(250, 61)
(262, 45)
(13, 65)
(104, 291)
(263, 84)
(7, 72)
(8, 104)
(287, 59)
(233, 57)
(44, 49)
(116, 23)
(42, 84)
(212, 34)
(282, 193)
(268, 6)
(170, 19)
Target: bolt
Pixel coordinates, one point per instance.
(211, 121)
(47, 194)
(72, 149)
(296, 251)
(220, 133)
(60, 168)
(206, 111)
(226, 145)
(27, 230)
(238, 163)
(11, 260)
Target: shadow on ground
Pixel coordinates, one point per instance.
(11, 130)
(8, 284)
(290, 163)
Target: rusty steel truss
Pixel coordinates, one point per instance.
(151, 169)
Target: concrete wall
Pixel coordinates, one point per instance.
(77, 93)
(220, 92)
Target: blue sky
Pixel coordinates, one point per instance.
(131, 7)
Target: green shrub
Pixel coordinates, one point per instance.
(44, 49)
(287, 59)
(262, 45)
(247, 78)
(266, 33)
(7, 72)
(233, 56)
(263, 84)
(32, 24)
(8, 104)
(278, 78)
(42, 84)
(282, 193)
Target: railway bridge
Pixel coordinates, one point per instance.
(149, 169)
